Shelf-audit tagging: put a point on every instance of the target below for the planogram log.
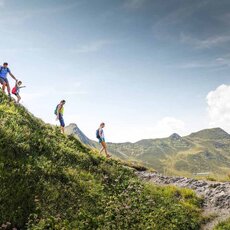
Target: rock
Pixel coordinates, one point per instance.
(216, 194)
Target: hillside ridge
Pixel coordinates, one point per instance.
(52, 181)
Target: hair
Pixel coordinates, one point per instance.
(5, 63)
(62, 101)
(102, 124)
(19, 82)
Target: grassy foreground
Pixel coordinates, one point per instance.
(51, 181)
(225, 225)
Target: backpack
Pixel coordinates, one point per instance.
(56, 109)
(97, 134)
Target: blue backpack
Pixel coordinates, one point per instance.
(97, 134)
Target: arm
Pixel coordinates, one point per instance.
(21, 87)
(12, 76)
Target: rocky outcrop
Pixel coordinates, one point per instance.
(216, 194)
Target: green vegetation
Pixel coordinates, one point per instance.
(201, 152)
(51, 181)
(225, 225)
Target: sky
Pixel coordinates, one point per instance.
(147, 68)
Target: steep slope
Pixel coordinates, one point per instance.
(51, 181)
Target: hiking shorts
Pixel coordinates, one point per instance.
(4, 80)
(62, 123)
(101, 140)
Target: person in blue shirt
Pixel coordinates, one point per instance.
(4, 70)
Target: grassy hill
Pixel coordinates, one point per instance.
(51, 181)
(204, 151)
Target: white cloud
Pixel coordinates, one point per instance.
(204, 43)
(168, 125)
(219, 107)
(135, 132)
(134, 4)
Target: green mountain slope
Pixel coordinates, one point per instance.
(206, 151)
(51, 181)
(75, 131)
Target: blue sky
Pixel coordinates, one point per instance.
(146, 68)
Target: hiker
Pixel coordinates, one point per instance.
(4, 70)
(59, 111)
(101, 137)
(16, 90)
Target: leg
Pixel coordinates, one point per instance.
(104, 148)
(2, 81)
(62, 123)
(3, 87)
(19, 98)
(8, 88)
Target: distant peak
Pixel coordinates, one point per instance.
(72, 125)
(175, 136)
(213, 133)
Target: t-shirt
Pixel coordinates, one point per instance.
(61, 111)
(101, 133)
(4, 72)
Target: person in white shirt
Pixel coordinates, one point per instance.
(101, 138)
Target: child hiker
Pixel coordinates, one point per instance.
(16, 90)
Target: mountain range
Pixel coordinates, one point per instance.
(206, 152)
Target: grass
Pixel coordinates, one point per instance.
(225, 225)
(52, 181)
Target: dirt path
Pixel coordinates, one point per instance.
(216, 194)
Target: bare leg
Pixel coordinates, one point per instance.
(19, 98)
(3, 87)
(8, 88)
(104, 147)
